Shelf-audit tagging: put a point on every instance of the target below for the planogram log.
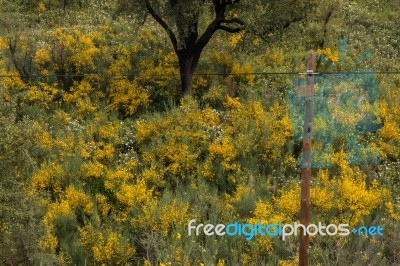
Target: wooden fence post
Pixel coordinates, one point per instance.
(305, 181)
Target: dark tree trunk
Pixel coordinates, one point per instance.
(187, 66)
(185, 63)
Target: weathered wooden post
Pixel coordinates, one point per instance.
(305, 181)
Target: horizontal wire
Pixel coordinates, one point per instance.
(210, 74)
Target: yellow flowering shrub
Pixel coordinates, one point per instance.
(389, 135)
(179, 158)
(288, 203)
(162, 74)
(78, 91)
(289, 262)
(262, 212)
(133, 195)
(42, 57)
(115, 178)
(10, 80)
(347, 192)
(54, 211)
(322, 194)
(228, 64)
(3, 44)
(224, 150)
(242, 191)
(243, 72)
(120, 65)
(49, 242)
(234, 39)
(175, 149)
(92, 169)
(391, 210)
(357, 199)
(127, 95)
(144, 131)
(79, 47)
(106, 247)
(103, 205)
(280, 131)
(41, 7)
(77, 199)
(49, 177)
(104, 152)
(256, 130)
(329, 54)
(161, 218)
(272, 57)
(43, 93)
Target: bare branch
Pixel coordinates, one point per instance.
(233, 20)
(220, 8)
(290, 22)
(228, 29)
(206, 36)
(163, 24)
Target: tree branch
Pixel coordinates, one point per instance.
(163, 24)
(206, 36)
(328, 16)
(228, 29)
(173, 3)
(233, 20)
(220, 8)
(290, 22)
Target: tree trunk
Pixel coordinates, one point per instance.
(186, 73)
(188, 61)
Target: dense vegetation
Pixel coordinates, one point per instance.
(103, 161)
